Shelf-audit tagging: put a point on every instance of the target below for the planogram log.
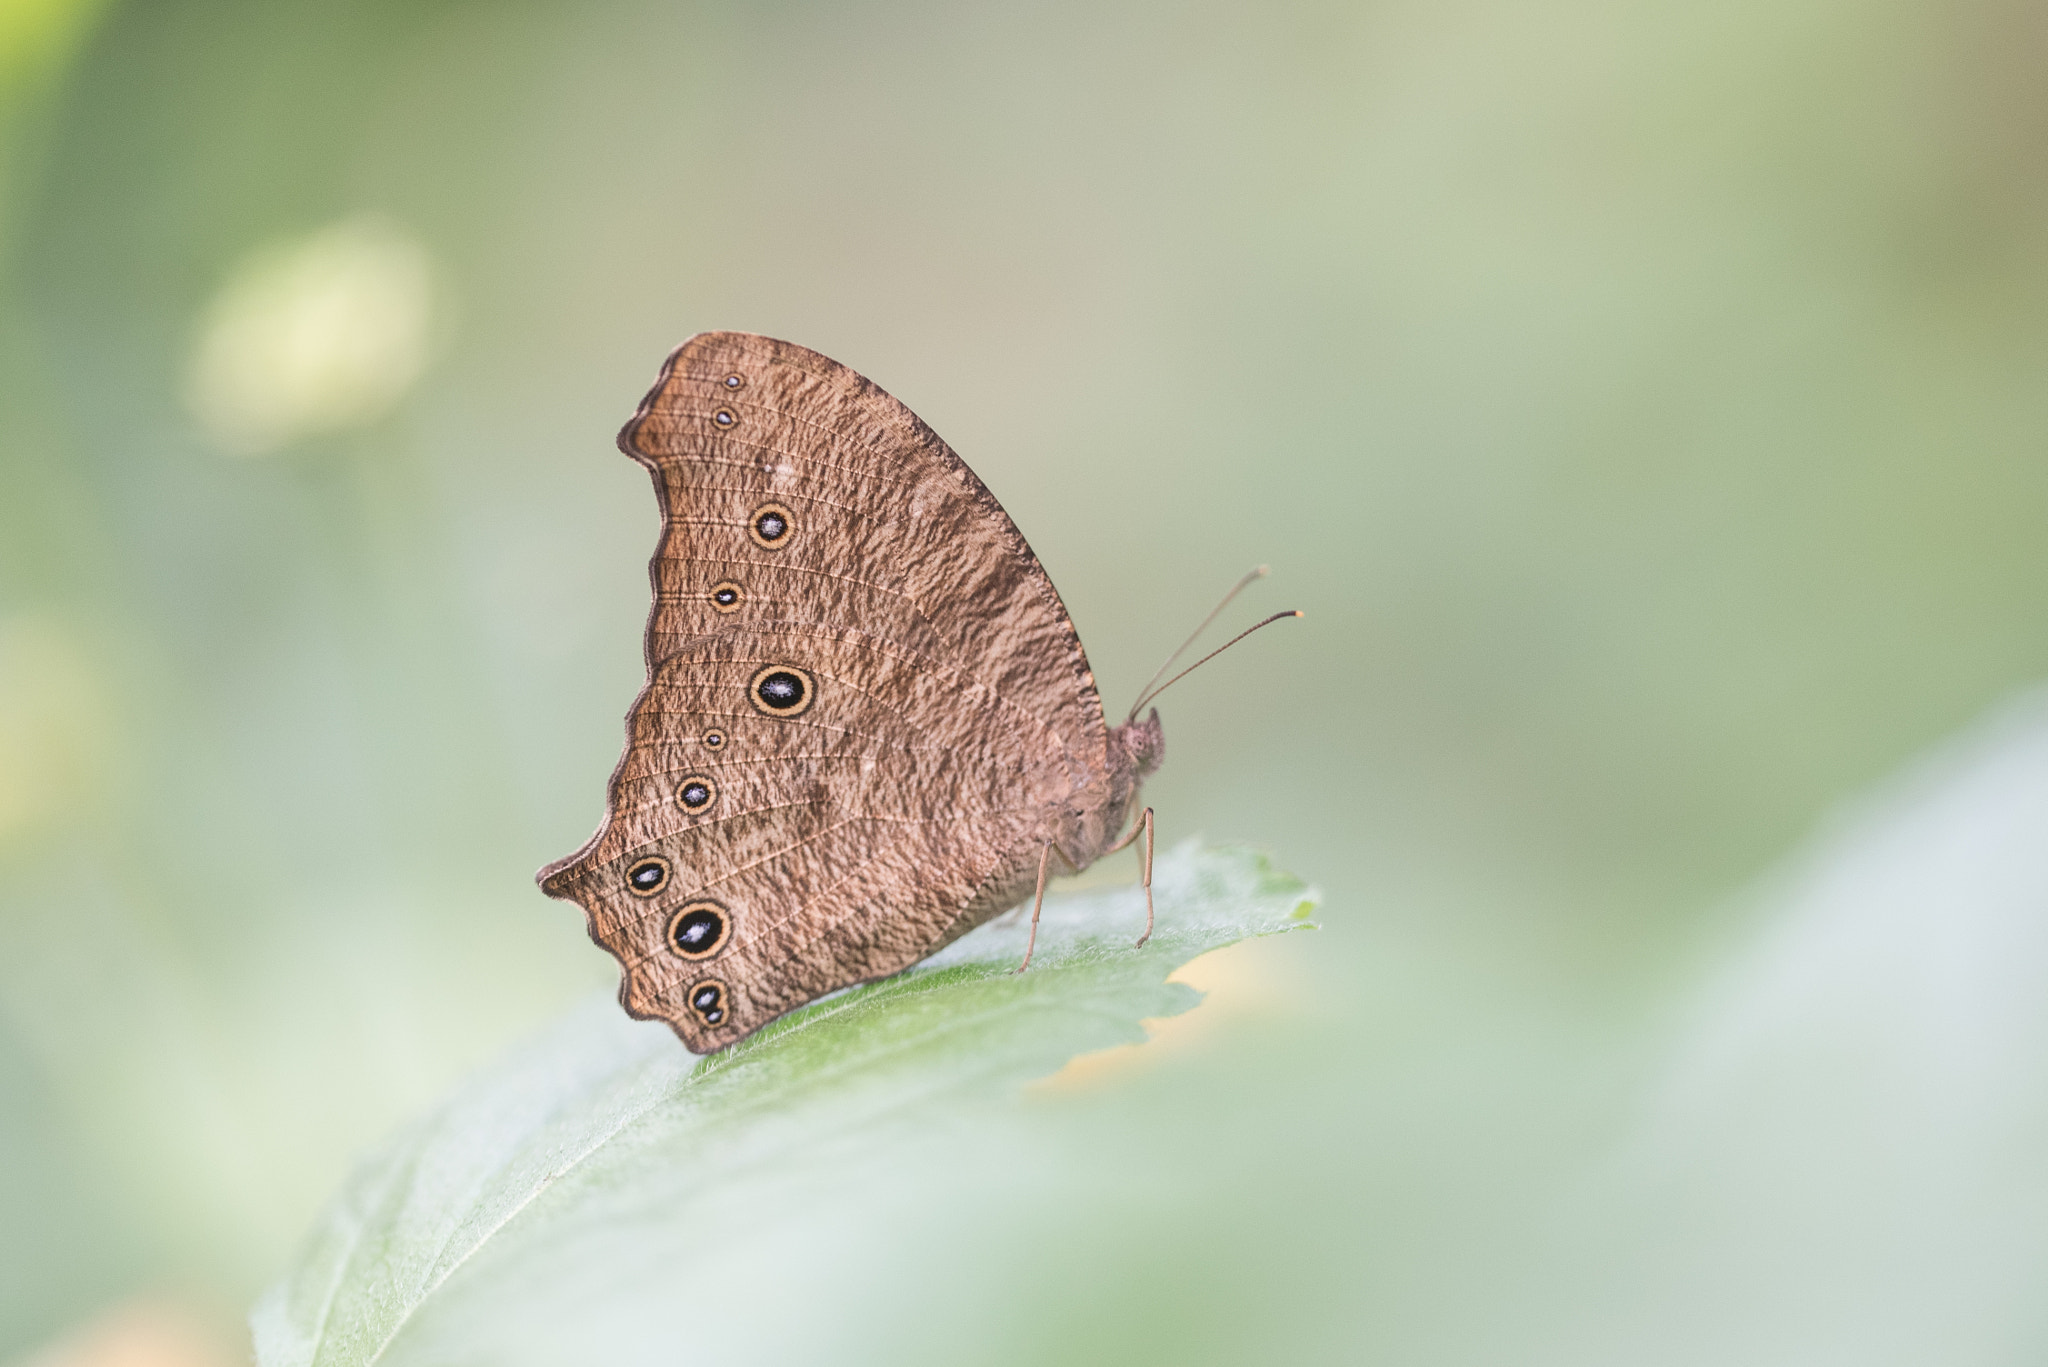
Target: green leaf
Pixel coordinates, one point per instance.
(606, 1138)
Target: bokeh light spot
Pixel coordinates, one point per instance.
(53, 724)
(313, 337)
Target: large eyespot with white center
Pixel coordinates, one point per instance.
(698, 930)
(707, 999)
(726, 596)
(695, 793)
(726, 419)
(771, 526)
(733, 382)
(647, 876)
(781, 690)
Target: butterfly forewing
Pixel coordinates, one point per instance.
(864, 698)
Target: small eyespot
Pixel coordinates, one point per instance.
(698, 930)
(696, 793)
(707, 999)
(724, 418)
(647, 877)
(725, 596)
(771, 526)
(781, 690)
(714, 740)
(733, 382)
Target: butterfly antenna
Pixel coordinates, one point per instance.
(1150, 693)
(1256, 572)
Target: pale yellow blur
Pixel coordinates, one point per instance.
(54, 744)
(1237, 981)
(140, 1333)
(313, 337)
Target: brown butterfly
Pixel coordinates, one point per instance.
(868, 724)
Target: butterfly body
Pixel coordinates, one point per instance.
(867, 714)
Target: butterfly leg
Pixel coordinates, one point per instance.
(1038, 901)
(1147, 861)
(1037, 904)
(1142, 824)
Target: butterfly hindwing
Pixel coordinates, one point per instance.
(864, 698)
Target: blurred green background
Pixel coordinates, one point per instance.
(1645, 401)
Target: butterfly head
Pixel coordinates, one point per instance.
(1140, 744)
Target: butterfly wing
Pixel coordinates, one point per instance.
(866, 706)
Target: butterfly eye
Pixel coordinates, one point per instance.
(724, 418)
(781, 690)
(733, 382)
(725, 596)
(714, 739)
(696, 793)
(698, 930)
(707, 999)
(770, 526)
(647, 877)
